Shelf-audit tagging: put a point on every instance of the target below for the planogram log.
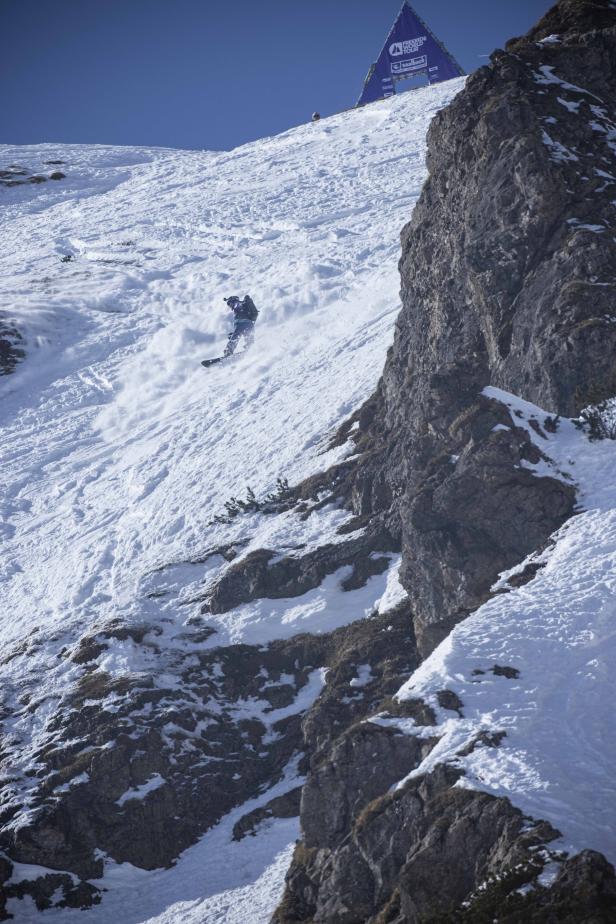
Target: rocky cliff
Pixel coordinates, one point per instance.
(508, 275)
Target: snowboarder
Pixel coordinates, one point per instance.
(246, 314)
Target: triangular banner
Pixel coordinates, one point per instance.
(411, 49)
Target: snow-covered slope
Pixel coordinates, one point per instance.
(118, 448)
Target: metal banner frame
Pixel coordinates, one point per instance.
(410, 50)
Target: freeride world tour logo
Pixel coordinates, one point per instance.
(406, 47)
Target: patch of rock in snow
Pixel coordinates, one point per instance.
(218, 880)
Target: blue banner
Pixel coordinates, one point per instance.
(411, 49)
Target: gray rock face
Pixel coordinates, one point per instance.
(363, 763)
(264, 574)
(140, 770)
(508, 274)
(429, 852)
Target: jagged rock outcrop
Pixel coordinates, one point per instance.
(415, 852)
(418, 853)
(141, 765)
(428, 851)
(508, 274)
(508, 278)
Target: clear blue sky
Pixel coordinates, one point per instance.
(209, 73)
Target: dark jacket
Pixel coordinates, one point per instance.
(246, 310)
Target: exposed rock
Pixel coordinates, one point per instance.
(11, 349)
(6, 870)
(286, 806)
(447, 699)
(508, 278)
(264, 574)
(11, 176)
(566, 19)
(140, 771)
(362, 764)
(526, 575)
(584, 892)
(430, 852)
(511, 673)
(15, 175)
(44, 891)
(417, 851)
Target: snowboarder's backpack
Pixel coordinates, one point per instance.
(247, 310)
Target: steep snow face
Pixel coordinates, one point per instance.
(118, 448)
(535, 662)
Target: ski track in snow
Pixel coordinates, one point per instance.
(117, 447)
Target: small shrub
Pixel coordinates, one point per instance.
(274, 502)
(600, 420)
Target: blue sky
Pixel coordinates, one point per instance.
(209, 73)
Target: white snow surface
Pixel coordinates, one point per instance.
(117, 448)
(140, 792)
(559, 631)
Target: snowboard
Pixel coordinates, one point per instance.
(219, 359)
